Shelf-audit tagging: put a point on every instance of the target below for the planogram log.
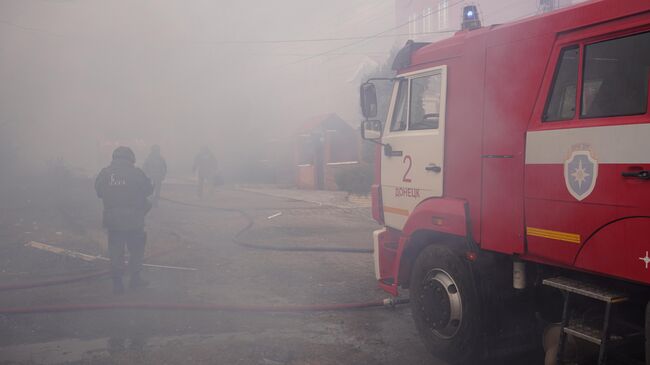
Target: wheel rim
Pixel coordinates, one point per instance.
(441, 303)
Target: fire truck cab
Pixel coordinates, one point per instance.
(512, 181)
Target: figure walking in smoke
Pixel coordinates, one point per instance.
(155, 168)
(206, 168)
(124, 190)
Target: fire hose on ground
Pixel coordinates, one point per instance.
(389, 302)
(251, 222)
(70, 279)
(236, 239)
(208, 307)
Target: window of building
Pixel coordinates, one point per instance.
(426, 20)
(413, 25)
(443, 14)
(398, 122)
(561, 104)
(546, 5)
(425, 102)
(615, 77)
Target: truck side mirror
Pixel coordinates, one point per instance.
(371, 130)
(368, 99)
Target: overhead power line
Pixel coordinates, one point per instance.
(380, 34)
(356, 39)
(333, 39)
(250, 41)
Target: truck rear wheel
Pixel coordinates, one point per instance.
(444, 305)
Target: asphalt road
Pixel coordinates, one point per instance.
(198, 236)
(226, 274)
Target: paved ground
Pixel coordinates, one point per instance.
(226, 274)
(201, 237)
(338, 199)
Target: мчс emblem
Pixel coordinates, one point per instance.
(580, 173)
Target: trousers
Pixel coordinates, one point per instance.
(157, 185)
(134, 241)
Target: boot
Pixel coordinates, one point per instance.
(118, 286)
(137, 282)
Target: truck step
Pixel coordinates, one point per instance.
(592, 335)
(595, 335)
(604, 337)
(585, 289)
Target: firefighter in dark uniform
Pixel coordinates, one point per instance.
(155, 168)
(124, 190)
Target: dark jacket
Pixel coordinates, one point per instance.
(124, 189)
(155, 167)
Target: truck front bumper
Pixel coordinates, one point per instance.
(386, 257)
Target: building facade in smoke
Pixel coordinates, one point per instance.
(430, 20)
(324, 146)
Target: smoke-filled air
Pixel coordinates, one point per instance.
(298, 182)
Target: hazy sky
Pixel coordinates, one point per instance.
(78, 74)
(74, 73)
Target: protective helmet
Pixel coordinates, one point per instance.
(124, 153)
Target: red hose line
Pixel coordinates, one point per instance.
(52, 282)
(267, 247)
(200, 307)
(73, 279)
(236, 239)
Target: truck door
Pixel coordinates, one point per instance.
(587, 157)
(412, 165)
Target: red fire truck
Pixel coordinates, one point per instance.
(513, 184)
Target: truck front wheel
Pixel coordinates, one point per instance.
(444, 305)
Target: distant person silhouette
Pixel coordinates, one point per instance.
(155, 167)
(206, 168)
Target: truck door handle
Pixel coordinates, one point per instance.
(388, 151)
(642, 174)
(433, 167)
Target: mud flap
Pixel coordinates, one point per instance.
(510, 325)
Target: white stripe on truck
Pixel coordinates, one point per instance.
(375, 239)
(608, 144)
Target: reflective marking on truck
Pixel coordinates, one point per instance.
(553, 235)
(645, 259)
(610, 144)
(397, 211)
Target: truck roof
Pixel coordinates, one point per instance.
(559, 21)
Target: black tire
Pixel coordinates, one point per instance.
(440, 280)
